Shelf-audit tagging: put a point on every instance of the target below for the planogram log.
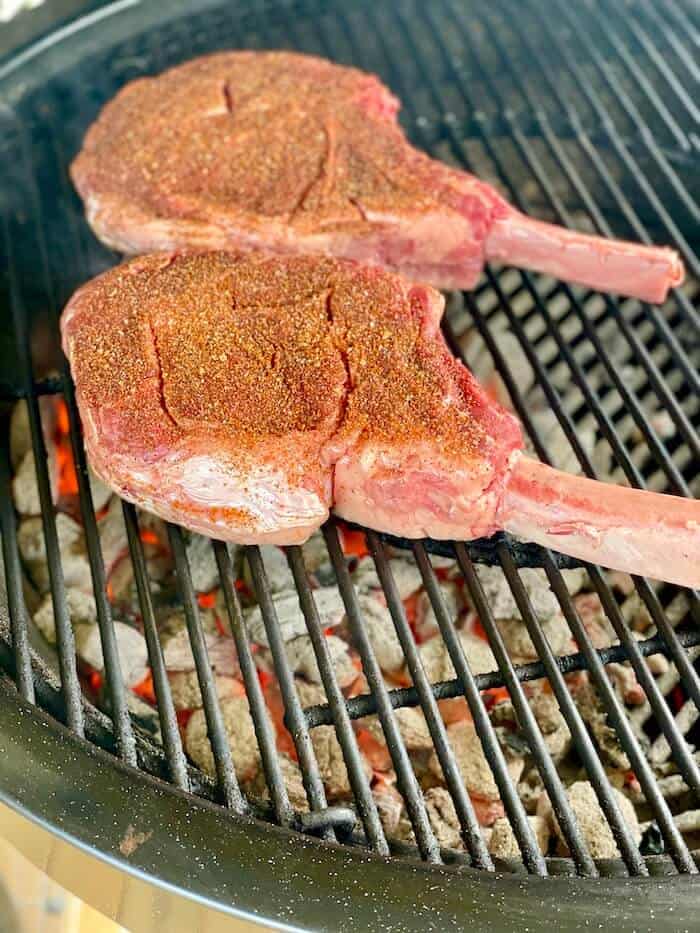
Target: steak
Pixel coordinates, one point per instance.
(246, 397)
(294, 154)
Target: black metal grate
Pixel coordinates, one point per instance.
(584, 117)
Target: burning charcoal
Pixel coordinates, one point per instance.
(131, 645)
(144, 715)
(310, 694)
(184, 686)
(81, 607)
(25, 490)
(504, 845)
(380, 630)
(331, 763)
(443, 818)
(390, 806)
(279, 576)
(76, 569)
(591, 820)
(472, 762)
(559, 448)
(685, 719)
(414, 729)
(626, 684)
(405, 573)
(113, 540)
(292, 623)
(543, 600)
(594, 620)
(437, 662)
(315, 553)
(594, 715)
(177, 651)
(20, 434)
(291, 775)
(426, 622)
(412, 726)
(552, 724)
(530, 789)
(302, 659)
(480, 361)
(241, 738)
(203, 568)
(518, 641)
(688, 821)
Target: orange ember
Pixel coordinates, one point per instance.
(150, 537)
(94, 679)
(353, 542)
(67, 477)
(145, 689)
(207, 600)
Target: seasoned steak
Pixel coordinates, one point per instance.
(247, 396)
(294, 154)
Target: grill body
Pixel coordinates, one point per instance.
(601, 144)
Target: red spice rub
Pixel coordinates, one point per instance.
(246, 370)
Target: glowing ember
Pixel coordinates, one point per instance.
(67, 477)
(150, 537)
(207, 600)
(145, 689)
(353, 543)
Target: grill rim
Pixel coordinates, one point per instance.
(499, 900)
(96, 18)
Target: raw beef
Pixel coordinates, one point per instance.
(276, 150)
(246, 397)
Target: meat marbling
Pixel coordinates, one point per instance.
(291, 153)
(245, 397)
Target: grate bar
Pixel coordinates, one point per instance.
(264, 730)
(124, 734)
(671, 403)
(643, 81)
(13, 575)
(641, 420)
(294, 714)
(346, 737)
(405, 776)
(662, 27)
(595, 159)
(674, 841)
(428, 704)
(532, 857)
(65, 640)
(633, 113)
(662, 713)
(365, 705)
(225, 771)
(614, 136)
(172, 743)
(584, 745)
(654, 314)
(526, 719)
(603, 420)
(662, 66)
(684, 666)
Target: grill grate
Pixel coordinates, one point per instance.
(602, 144)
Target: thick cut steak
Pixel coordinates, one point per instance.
(276, 150)
(245, 397)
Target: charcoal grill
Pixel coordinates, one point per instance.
(583, 114)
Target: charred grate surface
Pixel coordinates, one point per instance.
(607, 387)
